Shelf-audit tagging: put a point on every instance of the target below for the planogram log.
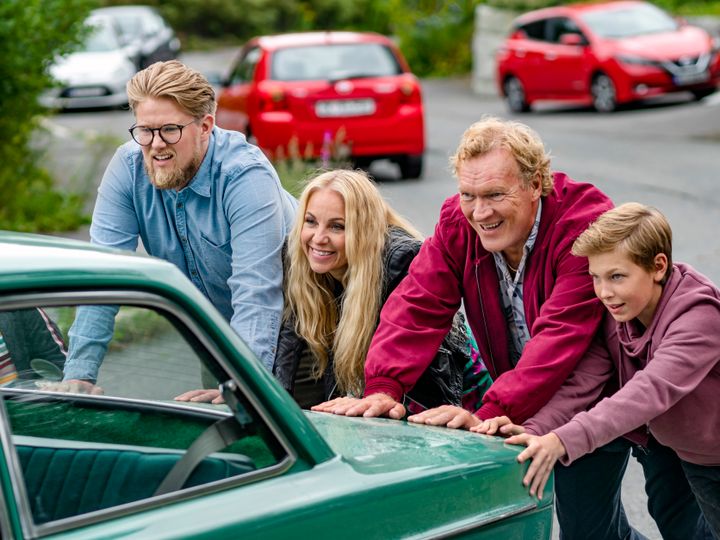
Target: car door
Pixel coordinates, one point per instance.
(565, 65)
(526, 56)
(233, 102)
(75, 462)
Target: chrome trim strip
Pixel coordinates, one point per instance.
(474, 523)
(138, 299)
(18, 488)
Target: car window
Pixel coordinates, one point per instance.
(328, 62)
(557, 26)
(534, 30)
(153, 24)
(245, 68)
(81, 456)
(629, 21)
(102, 37)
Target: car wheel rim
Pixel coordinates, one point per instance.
(603, 94)
(515, 94)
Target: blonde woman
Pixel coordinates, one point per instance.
(346, 253)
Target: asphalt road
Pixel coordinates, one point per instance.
(665, 153)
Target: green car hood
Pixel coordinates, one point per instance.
(478, 476)
(383, 445)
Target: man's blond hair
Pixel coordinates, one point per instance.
(174, 80)
(642, 232)
(523, 143)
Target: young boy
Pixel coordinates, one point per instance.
(663, 342)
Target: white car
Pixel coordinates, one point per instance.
(145, 29)
(96, 74)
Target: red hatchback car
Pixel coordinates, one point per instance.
(604, 54)
(311, 88)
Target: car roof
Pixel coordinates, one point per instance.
(60, 260)
(299, 39)
(575, 9)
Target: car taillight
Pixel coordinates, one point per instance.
(409, 91)
(273, 98)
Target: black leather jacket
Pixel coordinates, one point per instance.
(440, 384)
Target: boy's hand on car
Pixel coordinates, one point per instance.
(544, 452)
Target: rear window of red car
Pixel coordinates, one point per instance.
(332, 62)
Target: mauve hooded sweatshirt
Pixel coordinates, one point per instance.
(669, 375)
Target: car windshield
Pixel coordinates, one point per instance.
(102, 38)
(334, 62)
(629, 21)
(130, 24)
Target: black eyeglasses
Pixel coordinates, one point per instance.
(169, 133)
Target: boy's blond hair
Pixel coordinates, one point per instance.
(641, 231)
(174, 80)
(523, 143)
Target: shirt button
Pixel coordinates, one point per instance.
(179, 205)
(193, 273)
(184, 240)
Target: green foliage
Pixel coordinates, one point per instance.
(32, 32)
(434, 35)
(243, 19)
(296, 166)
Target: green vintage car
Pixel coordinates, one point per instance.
(133, 462)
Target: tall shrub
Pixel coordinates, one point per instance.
(32, 32)
(435, 35)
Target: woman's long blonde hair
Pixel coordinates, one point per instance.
(309, 296)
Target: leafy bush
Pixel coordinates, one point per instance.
(434, 35)
(242, 19)
(32, 32)
(296, 166)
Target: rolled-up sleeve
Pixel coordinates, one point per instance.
(114, 224)
(256, 215)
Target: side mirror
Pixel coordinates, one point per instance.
(573, 39)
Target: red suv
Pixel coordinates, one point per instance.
(604, 54)
(310, 89)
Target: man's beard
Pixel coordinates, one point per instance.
(175, 178)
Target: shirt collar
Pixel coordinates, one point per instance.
(200, 183)
(500, 262)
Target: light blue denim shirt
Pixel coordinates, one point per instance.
(512, 293)
(224, 230)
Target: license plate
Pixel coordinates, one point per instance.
(691, 78)
(86, 92)
(344, 107)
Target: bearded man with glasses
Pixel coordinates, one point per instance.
(198, 196)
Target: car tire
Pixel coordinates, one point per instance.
(515, 95)
(604, 95)
(411, 167)
(703, 93)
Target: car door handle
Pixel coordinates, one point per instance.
(550, 56)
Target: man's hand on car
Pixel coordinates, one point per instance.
(372, 405)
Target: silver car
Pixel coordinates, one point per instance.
(144, 29)
(96, 74)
